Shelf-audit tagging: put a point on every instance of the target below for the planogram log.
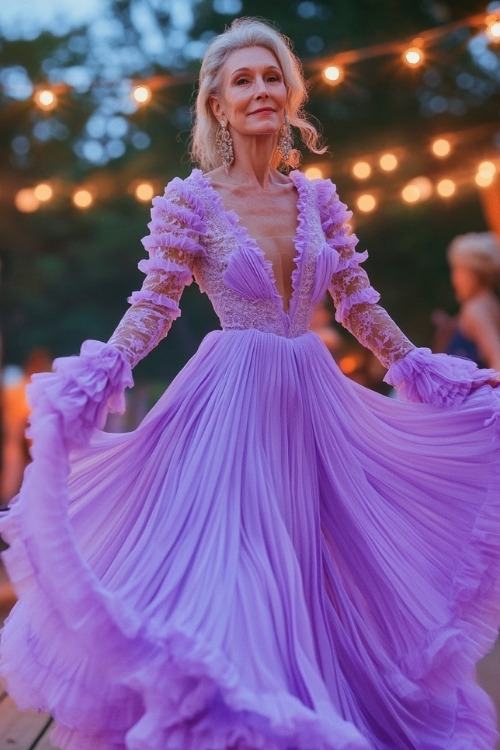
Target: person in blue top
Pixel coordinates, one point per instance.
(474, 260)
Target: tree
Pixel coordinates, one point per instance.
(59, 258)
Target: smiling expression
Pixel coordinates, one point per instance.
(253, 93)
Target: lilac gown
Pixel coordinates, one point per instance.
(276, 558)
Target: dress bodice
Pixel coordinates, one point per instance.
(238, 278)
(193, 234)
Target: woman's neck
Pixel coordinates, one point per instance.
(253, 159)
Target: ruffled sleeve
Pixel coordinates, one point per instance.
(173, 244)
(437, 379)
(354, 298)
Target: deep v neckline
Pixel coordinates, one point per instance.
(242, 232)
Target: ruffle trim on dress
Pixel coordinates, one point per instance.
(165, 239)
(160, 300)
(334, 213)
(166, 266)
(360, 297)
(436, 379)
(81, 390)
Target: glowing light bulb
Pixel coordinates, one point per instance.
(333, 74)
(388, 162)
(82, 198)
(26, 201)
(413, 56)
(446, 188)
(45, 99)
(141, 94)
(43, 192)
(361, 170)
(487, 168)
(313, 173)
(424, 186)
(441, 147)
(493, 28)
(144, 192)
(366, 202)
(411, 193)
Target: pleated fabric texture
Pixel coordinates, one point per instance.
(322, 577)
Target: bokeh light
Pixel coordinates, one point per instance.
(361, 170)
(82, 198)
(388, 162)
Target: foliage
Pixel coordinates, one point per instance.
(67, 273)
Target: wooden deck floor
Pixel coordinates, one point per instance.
(23, 730)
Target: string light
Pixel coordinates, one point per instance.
(141, 94)
(45, 99)
(82, 198)
(388, 162)
(43, 192)
(485, 174)
(441, 147)
(313, 173)
(26, 201)
(410, 193)
(446, 188)
(361, 170)
(333, 74)
(424, 185)
(493, 28)
(144, 192)
(366, 202)
(413, 56)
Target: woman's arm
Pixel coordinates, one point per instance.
(355, 300)
(416, 373)
(478, 321)
(172, 244)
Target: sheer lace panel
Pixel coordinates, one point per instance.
(172, 245)
(354, 298)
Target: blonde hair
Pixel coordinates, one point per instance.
(479, 252)
(249, 32)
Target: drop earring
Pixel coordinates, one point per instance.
(224, 145)
(285, 140)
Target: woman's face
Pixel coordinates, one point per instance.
(466, 283)
(253, 93)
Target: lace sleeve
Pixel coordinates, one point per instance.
(354, 298)
(173, 244)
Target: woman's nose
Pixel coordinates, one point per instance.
(260, 87)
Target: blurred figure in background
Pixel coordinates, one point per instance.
(474, 260)
(15, 413)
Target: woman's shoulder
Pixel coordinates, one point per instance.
(188, 190)
(188, 183)
(480, 310)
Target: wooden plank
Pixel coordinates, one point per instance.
(20, 729)
(44, 742)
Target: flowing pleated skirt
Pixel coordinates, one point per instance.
(275, 559)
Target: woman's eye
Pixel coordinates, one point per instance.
(240, 81)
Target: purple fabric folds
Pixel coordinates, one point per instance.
(276, 558)
(439, 379)
(82, 390)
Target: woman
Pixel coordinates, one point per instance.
(276, 558)
(474, 260)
